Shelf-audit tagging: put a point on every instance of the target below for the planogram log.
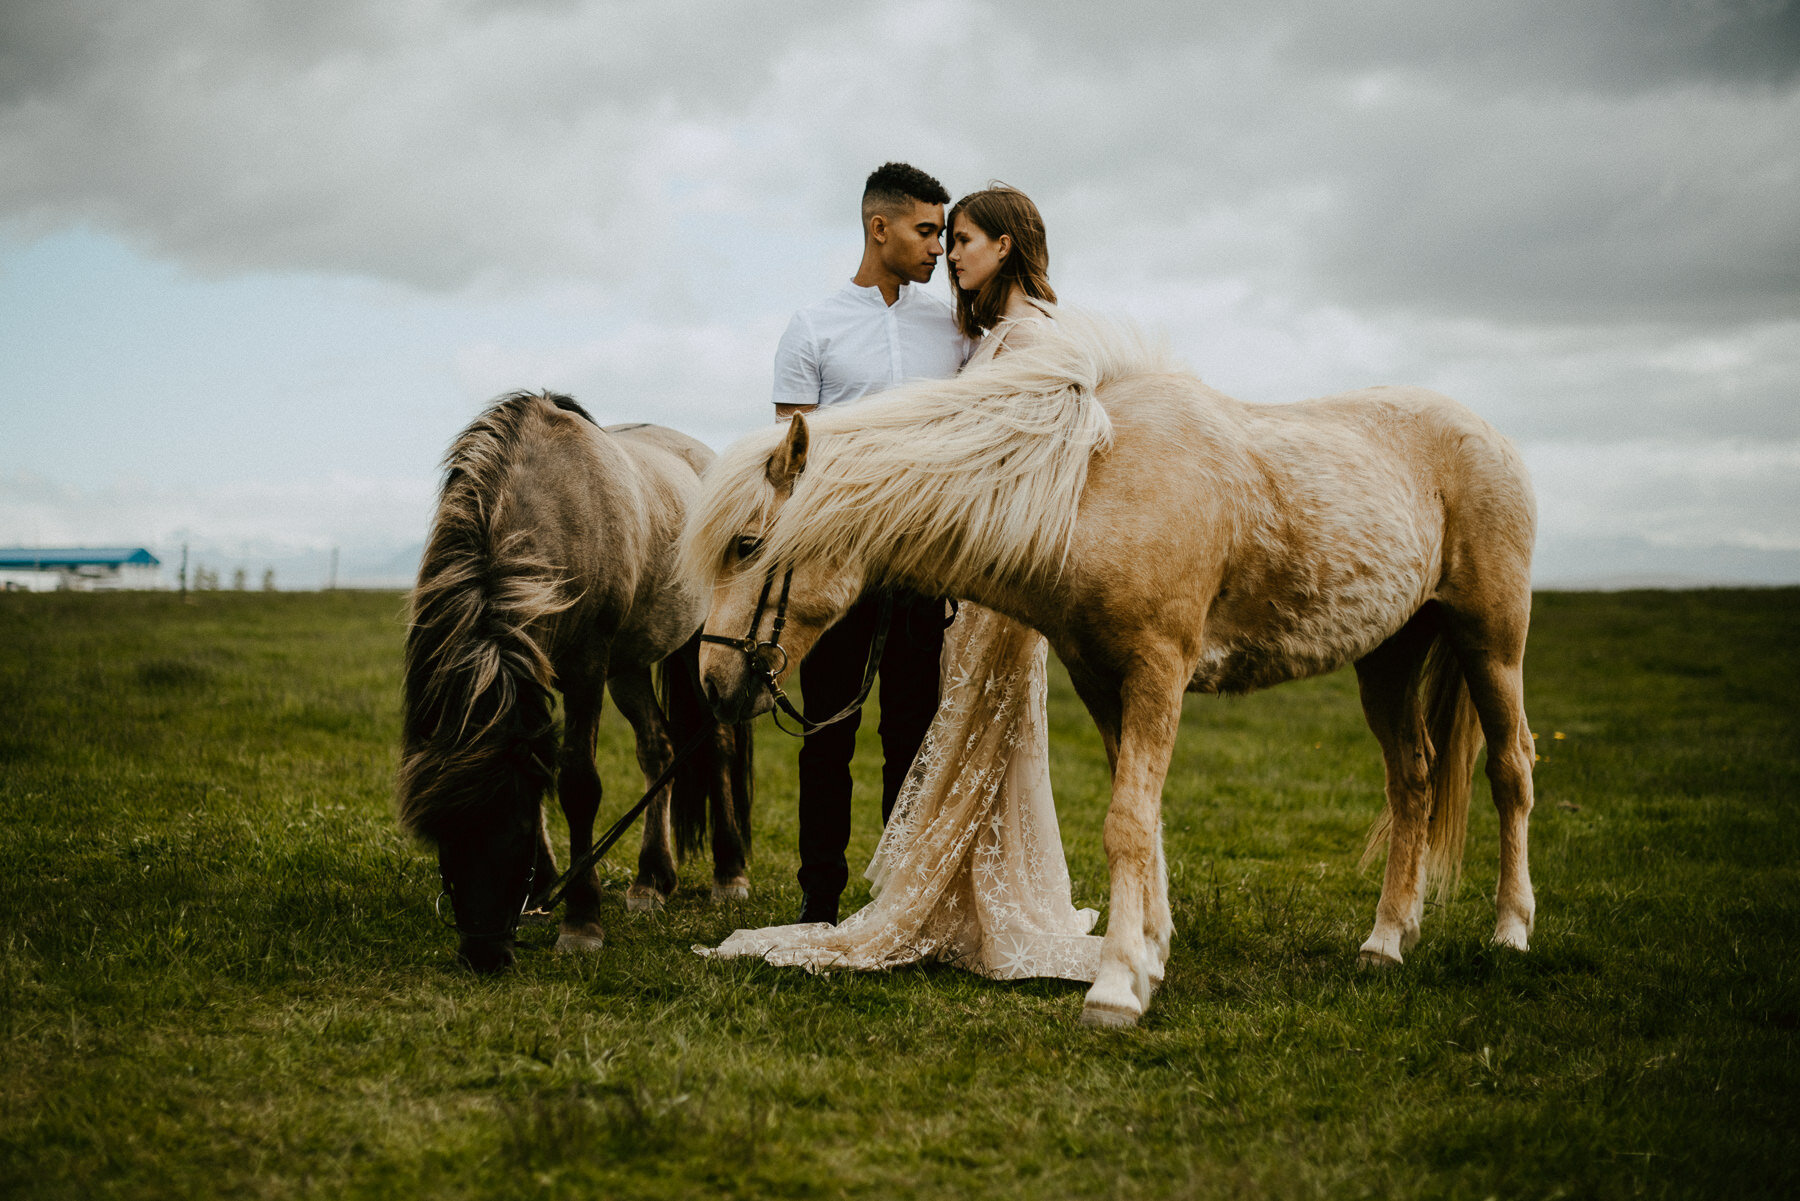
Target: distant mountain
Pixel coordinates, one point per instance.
(1616, 564)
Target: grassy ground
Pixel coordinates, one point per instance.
(219, 972)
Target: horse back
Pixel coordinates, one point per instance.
(600, 510)
(1288, 540)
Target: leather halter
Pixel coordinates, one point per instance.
(505, 932)
(767, 660)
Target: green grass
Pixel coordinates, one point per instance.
(220, 974)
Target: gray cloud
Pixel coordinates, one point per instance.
(1524, 163)
(1612, 45)
(1582, 219)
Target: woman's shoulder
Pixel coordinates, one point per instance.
(1023, 328)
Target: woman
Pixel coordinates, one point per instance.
(970, 868)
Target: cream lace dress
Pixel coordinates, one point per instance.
(970, 868)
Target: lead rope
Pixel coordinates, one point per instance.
(542, 906)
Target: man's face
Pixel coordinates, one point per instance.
(914, 241)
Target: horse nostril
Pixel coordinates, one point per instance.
(712, 694)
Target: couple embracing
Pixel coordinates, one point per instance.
(970, 866)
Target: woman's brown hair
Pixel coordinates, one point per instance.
(1001, 210)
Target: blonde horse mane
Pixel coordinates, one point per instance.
(979, 473)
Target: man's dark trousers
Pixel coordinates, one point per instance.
(829, 679)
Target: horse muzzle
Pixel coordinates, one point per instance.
(488, 955)
(736, 696)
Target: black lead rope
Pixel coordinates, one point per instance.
(883, 616)
(542, 906)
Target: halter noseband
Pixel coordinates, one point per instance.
(768, 660)
(506, 932)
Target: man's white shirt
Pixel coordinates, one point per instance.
(853, 343)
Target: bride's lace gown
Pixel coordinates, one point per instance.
(970, 868)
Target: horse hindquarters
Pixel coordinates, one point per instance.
(1417, 704)
(1487, 603)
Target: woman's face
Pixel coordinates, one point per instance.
(974, 257)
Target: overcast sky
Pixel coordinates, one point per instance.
(260, 263)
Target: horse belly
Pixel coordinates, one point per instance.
(1270, 637)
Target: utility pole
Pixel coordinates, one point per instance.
(183, 575)
(331, 583)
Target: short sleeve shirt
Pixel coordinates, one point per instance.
(853, 343)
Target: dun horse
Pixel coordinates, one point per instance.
(551, 566)
(1166, 538)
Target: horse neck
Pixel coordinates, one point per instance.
(983, 587)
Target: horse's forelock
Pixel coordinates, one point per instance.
(735, 495)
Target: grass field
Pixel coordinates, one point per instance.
(220, 974)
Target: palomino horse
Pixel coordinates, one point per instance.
(551, 564)
(1166, 538)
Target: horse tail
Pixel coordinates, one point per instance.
(1452, 741)
(701, 772)
(477, 723)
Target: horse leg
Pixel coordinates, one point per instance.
(543, 869)
(1159, 925)
(635, 694)
(578, 789)
(1492, 647)
(730, 814)
(1100, 697)
(1150, 711)
(1387, 678)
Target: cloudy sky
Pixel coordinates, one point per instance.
(260, 262)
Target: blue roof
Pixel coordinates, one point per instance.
(63, 556)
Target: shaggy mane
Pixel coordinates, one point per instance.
(477, 681)
(940, 479)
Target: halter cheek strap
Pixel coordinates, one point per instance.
(768, 660)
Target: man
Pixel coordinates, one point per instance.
(879, 330)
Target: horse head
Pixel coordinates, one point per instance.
(767, 609)
(488, 863)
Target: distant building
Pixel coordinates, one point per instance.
(81, 569)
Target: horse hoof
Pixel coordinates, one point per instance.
(1115, 1003)
(1513, 937)
(735, 890)
(1108, 1017)
(643, 900)
(568, 943)
(1371, 958)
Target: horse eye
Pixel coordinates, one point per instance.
(747, 546)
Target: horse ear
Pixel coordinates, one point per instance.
(789, 459)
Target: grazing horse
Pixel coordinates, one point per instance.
(551, 565)
(1166, 539)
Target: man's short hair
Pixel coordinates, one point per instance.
(892, 185)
